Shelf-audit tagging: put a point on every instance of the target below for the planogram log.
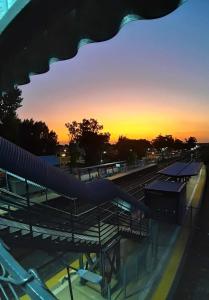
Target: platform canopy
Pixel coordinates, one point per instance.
(165, 186)
(35, 33)
(180, 169)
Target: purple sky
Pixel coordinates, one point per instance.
(152, 78)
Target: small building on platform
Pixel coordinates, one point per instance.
(166, 200)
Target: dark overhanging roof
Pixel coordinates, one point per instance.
(51, 30)
(180, 169)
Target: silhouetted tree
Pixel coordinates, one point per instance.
(191, 142)
(163, 141)
(131, 148)
(9, 103)
(74, 153)
(178, 144)
(37, 138)
(88, 136)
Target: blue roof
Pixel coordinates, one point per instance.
(26, 165)
(180, 169)
(165, 186)
(53, 160)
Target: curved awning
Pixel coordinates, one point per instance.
(34, 34)
(24, 164)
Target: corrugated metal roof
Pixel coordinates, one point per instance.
(180, 169)
(26, 165)
(165, 186)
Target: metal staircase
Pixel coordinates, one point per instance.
(41, 226)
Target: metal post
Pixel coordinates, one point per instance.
(140, 224)
(72, 226)
(7, 182)
(89, 172)
(124, 279)
(46, 192)
(108, 292)
(69, 283)
(79, 174)
(81, 266)
(118, 223)
(99, 229)
(28, 205)
(117, 260)
(28, 281)
(131, 222)
(191, 216)
(102, 266)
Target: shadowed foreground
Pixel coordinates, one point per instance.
(194, 279)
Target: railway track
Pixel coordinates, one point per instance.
(135, 187)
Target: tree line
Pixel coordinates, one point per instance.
(31, 135)
(85, 138)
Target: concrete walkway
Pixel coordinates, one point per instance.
(195, 188)
(193, 283)
(149, 268)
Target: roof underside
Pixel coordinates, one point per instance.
(180, 169)
(46, 31)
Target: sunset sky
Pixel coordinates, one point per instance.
(152, 78)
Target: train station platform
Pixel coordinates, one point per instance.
(192, 281)
(149, 269)
(164, 286)
(130, 172)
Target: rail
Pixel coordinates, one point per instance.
(14, 279)
(98, 225)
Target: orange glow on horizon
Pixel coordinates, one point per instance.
(123, 112)
(145, 126)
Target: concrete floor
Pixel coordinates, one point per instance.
(193, 280)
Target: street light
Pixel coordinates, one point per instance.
(103, 152)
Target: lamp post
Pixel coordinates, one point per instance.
(103, 152)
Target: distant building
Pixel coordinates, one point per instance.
(152, 154)
(53, 160)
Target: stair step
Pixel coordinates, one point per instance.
(36, 234)
(63, 238)
(54, 237)
(45, 236)
(24, 232)
(2, 227)
(14, 230)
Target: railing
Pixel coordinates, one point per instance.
(186, 217)
(14, 280)
(97, 225)
(56, 222)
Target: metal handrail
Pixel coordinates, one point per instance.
(90, 232)
(13, 275)
(73, 224)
